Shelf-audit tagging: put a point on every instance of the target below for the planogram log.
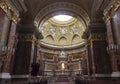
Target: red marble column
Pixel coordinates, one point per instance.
(89, 60)
(2, 16)
(35, 53)
(41, 63)
(84, 66)
(11, 45)
(97, 50)
(111, 42)
(6, 33)
(101, 58)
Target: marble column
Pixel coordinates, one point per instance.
(5, 31)
(97, 49)
(111, 16)
(41, 69)
(24, 54)
(2, 18)
(10, 52)
(112, 49)
(89, 60)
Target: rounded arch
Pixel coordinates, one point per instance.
(62, 8)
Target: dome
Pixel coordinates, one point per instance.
(62, 30)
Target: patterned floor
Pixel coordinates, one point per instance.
(61, 83)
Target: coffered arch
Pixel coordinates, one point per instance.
(62, 8)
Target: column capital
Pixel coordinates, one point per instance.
(26, 37)
(111, 10)
(98, 37)
(4, 4)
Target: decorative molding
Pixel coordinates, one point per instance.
(5, 75)
(97, 37)
(111, 10)
(36, 43)
(87, 43)
(26, 37)
(55, 9)
(102, 75)
(19, 76)
(9, 12)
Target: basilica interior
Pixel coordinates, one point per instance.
(60, 41)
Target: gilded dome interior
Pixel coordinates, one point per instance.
(62, 33)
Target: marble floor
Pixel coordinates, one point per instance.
(61, 83)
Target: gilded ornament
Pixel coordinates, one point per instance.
(24, 37)
(98, 37)
(9, 12)
(112, 9)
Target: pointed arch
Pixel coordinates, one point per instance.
(49, 39)
(76, 39)
(63, 41)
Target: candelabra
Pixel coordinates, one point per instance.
(3, 53)
(113, 48)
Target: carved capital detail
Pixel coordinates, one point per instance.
(87, 43)
(27, 37)
(98, 37)
(111, 10)
(36, 43)
(8, 10)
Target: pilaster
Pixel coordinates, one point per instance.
(98, 59)
(113, 35)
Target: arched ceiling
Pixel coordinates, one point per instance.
(34, 7)
(90, 6)
(40, 11)
(61, 8)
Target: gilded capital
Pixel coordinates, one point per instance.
(112, 9)
(87, 43)
(8, 10)
(26, 37)
(98, 37)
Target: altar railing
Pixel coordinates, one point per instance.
(60, 72)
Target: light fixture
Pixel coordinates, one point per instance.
(62, 18)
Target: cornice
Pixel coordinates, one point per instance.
(65, 46)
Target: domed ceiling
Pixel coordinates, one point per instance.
(62, 31)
